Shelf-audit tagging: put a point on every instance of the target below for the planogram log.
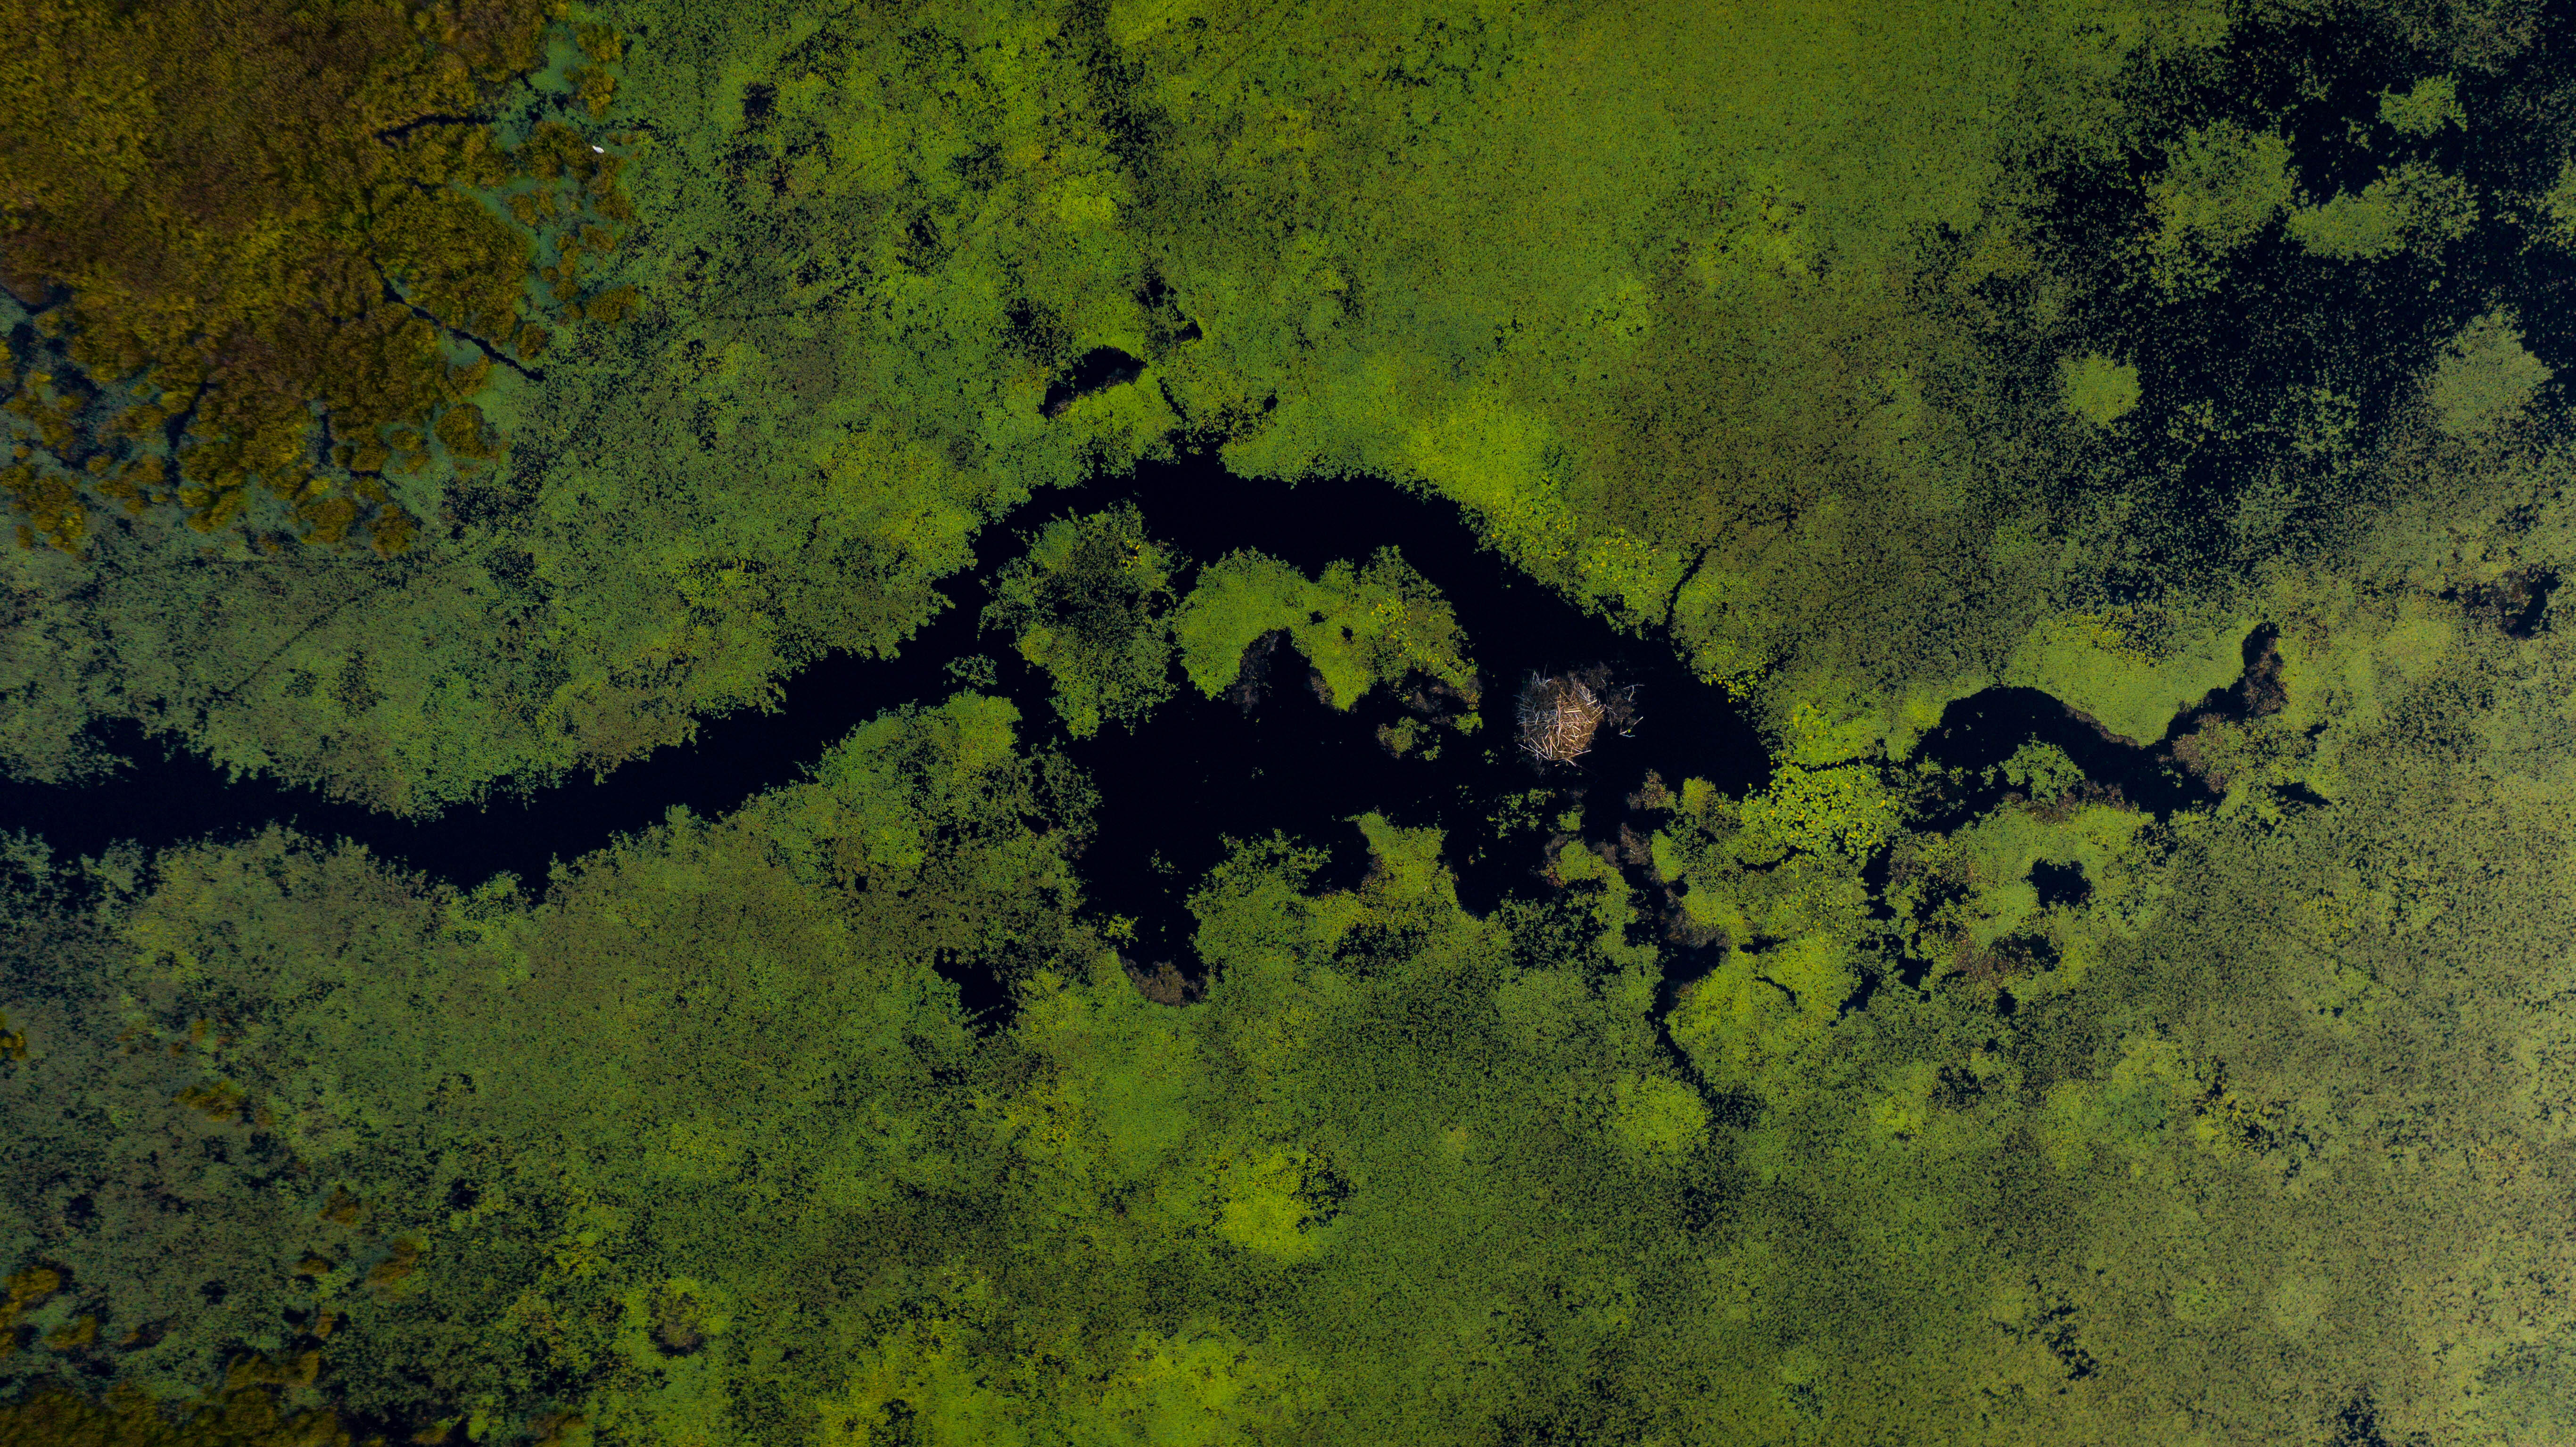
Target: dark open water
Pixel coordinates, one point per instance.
(1198, 772)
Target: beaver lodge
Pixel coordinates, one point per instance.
(1561, 714)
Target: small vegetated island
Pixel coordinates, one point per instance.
(1666, 723)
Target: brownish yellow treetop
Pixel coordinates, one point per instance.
(253, 245)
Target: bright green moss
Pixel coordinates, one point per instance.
(2131, 673)
(1359, 628)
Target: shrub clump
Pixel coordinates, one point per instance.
(1090, 604)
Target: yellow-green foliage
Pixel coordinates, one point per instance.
(1749, 324)
(2099, 388)
(2222, 185)
(2484, 377)
(1359, 627)
(1777, 878)
(2424, 108)
(1763, 361)
(2411, 205)
(708, 1094)
(1965, 892)
(1845, 811)
(1626, 381)
(715, 1023)
(1088, 603)
(2131, 674)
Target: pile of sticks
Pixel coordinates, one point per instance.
(1558, 717)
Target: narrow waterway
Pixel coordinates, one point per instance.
(1173, 792)
(1197, 776)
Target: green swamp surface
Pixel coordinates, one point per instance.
(2101, 469)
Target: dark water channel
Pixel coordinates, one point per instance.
(1197, 773)
(1200, 773)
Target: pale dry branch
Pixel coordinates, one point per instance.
(1558, 717)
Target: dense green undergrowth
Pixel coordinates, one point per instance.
(1874, 355)
(2255, 1130)
(1858, 348)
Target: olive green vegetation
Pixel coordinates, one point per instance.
(1873, 355)
(2257, 1132)
(1088, 603)
(1359, 628)
(443, 1139)
(266, 276)
(1092, 602)
(1849, 345)
(238, 268)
